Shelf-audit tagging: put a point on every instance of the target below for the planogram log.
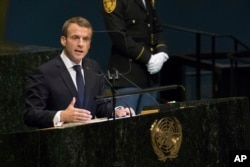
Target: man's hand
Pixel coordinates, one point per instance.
(124, 112)
(72, 114)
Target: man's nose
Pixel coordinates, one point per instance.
(80, 42)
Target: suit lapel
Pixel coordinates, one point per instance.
(67, 80)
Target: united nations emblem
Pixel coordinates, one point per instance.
(109, 5)
(166, 137)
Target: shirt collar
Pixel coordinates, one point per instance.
(68, 63)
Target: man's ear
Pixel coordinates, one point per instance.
(63, 40)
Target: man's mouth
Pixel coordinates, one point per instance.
(79, 51)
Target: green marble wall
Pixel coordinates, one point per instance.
(16, 62)
(210, 129)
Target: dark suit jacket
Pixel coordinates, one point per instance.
(50, 89)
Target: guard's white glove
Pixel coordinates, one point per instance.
(156, 62)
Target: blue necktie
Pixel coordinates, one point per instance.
(80, 85)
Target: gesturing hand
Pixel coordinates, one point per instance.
(72, 114)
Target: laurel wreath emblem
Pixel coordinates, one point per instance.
(166, 137)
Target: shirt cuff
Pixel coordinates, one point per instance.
(57, 121)
(119, 108)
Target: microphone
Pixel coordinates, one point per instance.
(139, 91)
(113, 77)
(135, 85)
(107, 77)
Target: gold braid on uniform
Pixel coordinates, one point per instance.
(160, 45)
(140, 53)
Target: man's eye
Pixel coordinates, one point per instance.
(75, 37)
(86, 39)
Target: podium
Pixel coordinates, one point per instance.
(210, 129)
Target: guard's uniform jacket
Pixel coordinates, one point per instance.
(136, 34)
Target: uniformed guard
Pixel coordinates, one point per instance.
(138, 46)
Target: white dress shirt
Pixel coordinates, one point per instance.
(69, 65)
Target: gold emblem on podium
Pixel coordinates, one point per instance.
(109, 5)
(166, 137)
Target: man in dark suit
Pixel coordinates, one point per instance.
(138, 46)
(53, 94)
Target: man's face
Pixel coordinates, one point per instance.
(77, 42)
